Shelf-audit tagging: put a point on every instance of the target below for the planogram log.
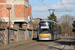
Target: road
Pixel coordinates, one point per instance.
(64, 43)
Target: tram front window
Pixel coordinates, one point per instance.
(44, 23)
(44, 31)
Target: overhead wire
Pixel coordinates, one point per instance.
(46, 6)
(65, 7)
(59, 11)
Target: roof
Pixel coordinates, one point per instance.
(47, 20)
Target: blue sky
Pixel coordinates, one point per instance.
(39, 10)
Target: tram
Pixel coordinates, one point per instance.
(48, 30)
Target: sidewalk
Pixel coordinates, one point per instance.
(14, 44)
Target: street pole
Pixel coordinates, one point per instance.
(9, 26)
(9, 29)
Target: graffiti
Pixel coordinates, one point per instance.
(22, 34)
(30, 33)
(2, 37)
(35, 34)
(12, 35)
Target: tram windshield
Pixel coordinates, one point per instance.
(44, 24)
(44, 27)
(44, 30)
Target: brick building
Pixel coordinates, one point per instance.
(20, 12)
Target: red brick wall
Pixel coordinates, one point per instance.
(27, 0)
(19, 10)
(4, 11)
(2, 1)
(0, 10)
(7, 12)
(26, 12)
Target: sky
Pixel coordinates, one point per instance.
(62, 7)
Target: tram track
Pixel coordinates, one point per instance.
(39, 45)
(52, 47)
(56, 46)
(46, 45)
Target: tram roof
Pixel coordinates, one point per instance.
(47, 21)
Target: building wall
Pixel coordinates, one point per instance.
(0, 10)
(2, 1)
(26, 12)
(27, 1)
(3, 10)
(19, 11)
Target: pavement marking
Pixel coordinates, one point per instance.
(62, 47)
(49, 46)
(52, 45)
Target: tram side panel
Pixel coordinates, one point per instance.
(54, 34)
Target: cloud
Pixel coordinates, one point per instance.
(62, 8)
(40, 8)
(42, 15)
(69, 4)
(59, 6)
(68, 1)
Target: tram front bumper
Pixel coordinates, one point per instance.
(45, 38)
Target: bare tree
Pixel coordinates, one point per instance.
(66, 24)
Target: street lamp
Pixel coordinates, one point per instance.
(9, 26)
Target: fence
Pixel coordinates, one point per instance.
(35, 33)
(29, 33)
(21, 34)
(16, 34)
(2, 36)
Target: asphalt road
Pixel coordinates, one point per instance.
(62, 44)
